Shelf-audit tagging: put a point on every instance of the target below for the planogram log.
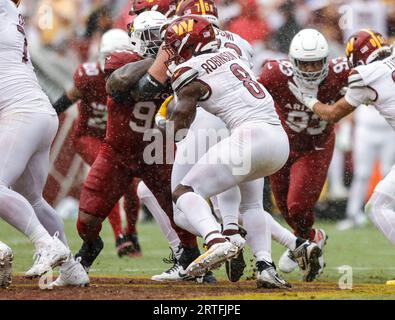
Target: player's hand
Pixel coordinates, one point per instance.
(161, 116)
(306, 96)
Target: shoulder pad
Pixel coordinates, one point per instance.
(355, 80)
(183, 76)
(118, 59)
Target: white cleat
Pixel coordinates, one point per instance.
(72, 275)
(6, 258)
(48, 257)
(267, 277)
(307, 256)
(287, 262)
(212, 258)
(175, 273)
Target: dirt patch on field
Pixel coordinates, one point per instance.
(144, 289)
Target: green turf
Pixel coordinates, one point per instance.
(370, 255)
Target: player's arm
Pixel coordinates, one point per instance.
(67, 100)
(185, 109)
(357, 94)
(124, 81)
(153, 81)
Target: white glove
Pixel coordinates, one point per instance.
(306, 96)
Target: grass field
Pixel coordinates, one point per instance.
(366, 251)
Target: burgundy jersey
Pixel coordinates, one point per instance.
(92, 107)
(128, 122)
(304, 128)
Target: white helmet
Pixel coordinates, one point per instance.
(113, 40)
(145, 34)
(309, 45)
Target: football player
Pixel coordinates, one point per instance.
(90, 129)
(204, 125)
(371, 81)
(122, 156)
(28, 125)
(248, 111)
(298, 185)
(373, 140)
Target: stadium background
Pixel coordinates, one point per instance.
(64, 33)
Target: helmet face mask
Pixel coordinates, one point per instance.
(145, 34)
(309, 53)
(302, 72)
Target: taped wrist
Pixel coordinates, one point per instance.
(146, 88)
(62, 104)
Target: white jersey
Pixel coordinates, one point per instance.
(233, 93)
(370, 118)
(230, 40)
(19, 88)
(375, 84)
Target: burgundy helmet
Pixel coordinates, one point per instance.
(207, 9)
(189, 36)
(365, 46)
(165, 7)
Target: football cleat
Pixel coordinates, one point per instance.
(307, 256)
(48, 257)
(267, 276)
(235, 267)
(175, 273)
(6, 259)
(73, 275)
(89, 252)
(125, 247)
(212, 259)
(320, 238)
(287, 262)
(137, 248)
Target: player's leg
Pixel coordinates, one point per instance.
(107, 181)
(21, 135)
(241, 157)
(132, 208)
(160, 216)
(88, 148)
(364, 156)
(307, 178)
(381, 206)
(256, 223)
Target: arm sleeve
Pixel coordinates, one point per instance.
(358, 92)
(182, 77)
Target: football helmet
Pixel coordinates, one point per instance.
(145, 34)
(365, 46)
(189, 36)
(207, 9)
(112, 40)
(165, 7)
(309, 45)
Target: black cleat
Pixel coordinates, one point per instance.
(89, 252)
(235, 267)
(124, 246)
(136, 245)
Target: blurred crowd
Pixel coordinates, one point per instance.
(72, 28)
